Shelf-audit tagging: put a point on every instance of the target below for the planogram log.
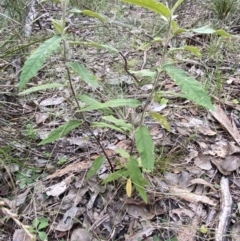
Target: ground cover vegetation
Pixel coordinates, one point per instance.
(119, 120)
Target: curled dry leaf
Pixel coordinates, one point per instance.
(227, 124)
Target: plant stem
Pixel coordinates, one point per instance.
(65, 49)
(162, 61)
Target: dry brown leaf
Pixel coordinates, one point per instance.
(145, 233)
(218, 162)
(220, 149)
(140, 211)
(205, 130)
(59, 188)
(52, 101)
(41, 117)
(21, 235)
(80, 234)
(188, 233)
(235, 232)
(67, 221)
(231, 163)
(224, 120)
(203, 162)
(71, 168)
(191, 197)
(203, 182)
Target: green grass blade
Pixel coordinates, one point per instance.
(36, 60)
(152, 5)
(40, 87)
(192, 89)
(145, 147)
(85, 75)
(61, 131)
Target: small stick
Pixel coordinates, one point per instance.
(226, 209)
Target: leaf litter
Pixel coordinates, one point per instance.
(181, 199)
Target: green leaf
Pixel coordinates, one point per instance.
(61, 131)
(58, 25)
(179, 31)
(191, 88)
(222, 33)
(36, 60)
(43, 225)
(106, 125)
(152, 5)
(116, 175)
(35, 222)
(145, 147)
(40, 87)
(204, 30)
(42, 236)
(119, 122)
(96, 165)
(176, 5)
(161, 119)
(85, 75)
(94, 44)
(113, 103)
(136, 175)
(88, 13)
(122, 152)
(145, 73)
(194, 50)
(90, 101)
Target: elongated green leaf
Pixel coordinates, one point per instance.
(40, 87)
(90, 101)
(58, 25)
(222, 33)
(116, 175)
(122, 153)
(161, 119)
(145, 73)
(194, 50)
(113, 103)
(204, 30)
(176, 5)
(94, 44)
(85, 75)
(145, 147)
(106, 125)
(119, 122)
(152, 5)
(190, 87)
(61, 131)
(136, 175)
(88, 13)
(36, 60)
(96, 165)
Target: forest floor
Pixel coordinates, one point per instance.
(193, 192)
